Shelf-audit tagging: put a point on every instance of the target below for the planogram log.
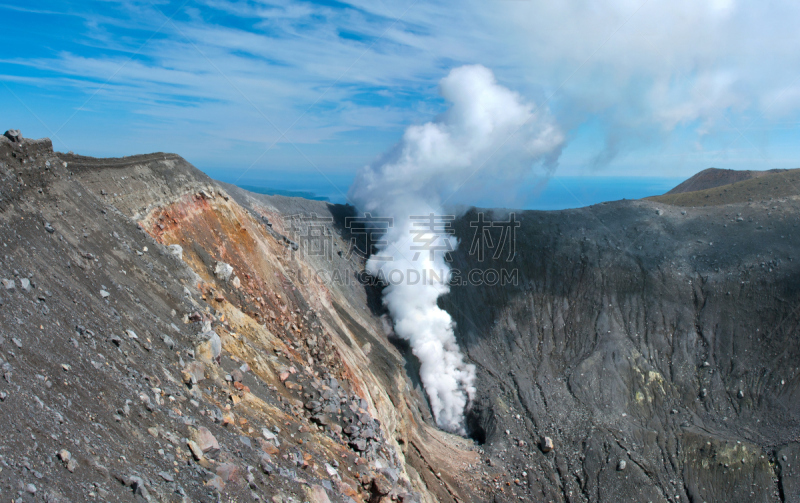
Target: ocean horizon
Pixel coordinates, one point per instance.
(555, 193)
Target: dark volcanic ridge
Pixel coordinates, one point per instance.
(715, 177)
(769, 185)
(164, 337)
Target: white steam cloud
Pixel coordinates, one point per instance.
(488, 134)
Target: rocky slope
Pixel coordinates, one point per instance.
(165, 337)
(161, 342)
(770, 185)
(715, 177)
(657, 346)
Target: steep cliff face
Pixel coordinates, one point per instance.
(657, 346)
(162, 342)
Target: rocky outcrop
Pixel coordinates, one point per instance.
(169, 342)
(657, 336)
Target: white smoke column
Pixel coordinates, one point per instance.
(489, 133)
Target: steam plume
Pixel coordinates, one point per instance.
(488, 134)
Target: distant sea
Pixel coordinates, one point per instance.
(557, 193)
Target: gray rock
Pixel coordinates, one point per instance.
(268, 434)
(229, 472)
(359, 444)
(30, 488)
(13, 135)
(216, 483)
(197, 452)
(168, 341)
(176, 251)
(223, 271)
(206, 441)
(104, 294)
(194, 373)
(317, 494)
(266, 464)
(49, 228)
(381, 485)
(547, 444)
(9, 284)
(321, 419)
(25, 284)
(136, 484)
(216, 342)
(622, 465)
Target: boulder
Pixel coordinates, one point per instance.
(381, 485)
(211, 348)
(206, 441)
(223, 271)
(13, 135)
(269, 435)
(266, 464)
(197, 452)
(359, 444)
(229, 472)
(216, 483)
(194, 373)
(176, 251)
(317, 494)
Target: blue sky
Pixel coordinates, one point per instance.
(253, 90)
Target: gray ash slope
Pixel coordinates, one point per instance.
(655, 345)
(111, 389)
(715, 177)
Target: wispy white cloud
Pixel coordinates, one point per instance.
(642, 73)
